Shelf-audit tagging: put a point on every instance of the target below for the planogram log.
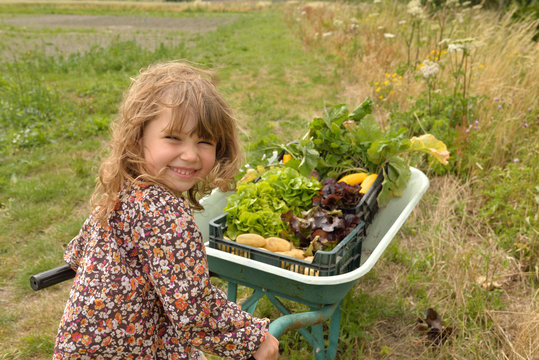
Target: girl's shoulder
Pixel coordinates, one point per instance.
(149, 196)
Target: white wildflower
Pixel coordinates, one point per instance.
(444, 41)
(462, 45)
(380, 28)
(389, 36)
(337, 22)
(326, 34)
(454, 48)
(354, 27)
(354, 20)
(402, 22)
(415, 9)
(377, 1)
(430, 69)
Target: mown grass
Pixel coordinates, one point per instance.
(470, 248)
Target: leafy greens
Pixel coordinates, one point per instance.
(257, 207)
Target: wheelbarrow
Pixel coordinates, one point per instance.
(322, 294)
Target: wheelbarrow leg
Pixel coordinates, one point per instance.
(318, 334)
(299, 321)
(314, 319)
(232, 291)
(334, 328)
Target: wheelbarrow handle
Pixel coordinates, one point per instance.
(300, 320)
(51, 277)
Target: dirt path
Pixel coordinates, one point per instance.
(54, 34)
(189, 24)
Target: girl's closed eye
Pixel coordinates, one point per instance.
(207, 142)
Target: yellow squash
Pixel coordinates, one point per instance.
(367, 183)
(355, 178)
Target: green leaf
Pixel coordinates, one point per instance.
(368, 130)
(336, 114)
(396, 178)
(362, 110)
(382, 150)
(309, 161)
(257, 207)
(429, 144)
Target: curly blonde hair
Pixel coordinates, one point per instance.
(185, 90)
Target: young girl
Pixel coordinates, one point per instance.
(142, 289)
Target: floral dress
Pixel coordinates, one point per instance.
(143, 290)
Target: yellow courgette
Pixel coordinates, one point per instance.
(367, 183)
(355, 178)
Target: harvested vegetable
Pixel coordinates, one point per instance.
(277, 244)
(286, 158)
(341, 141)
(251, 240)
(337, 195)
(256, 207)
(367, 183)
(354, 179)
(320, 229)
(295, 253)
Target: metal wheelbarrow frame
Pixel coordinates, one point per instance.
(323, 295)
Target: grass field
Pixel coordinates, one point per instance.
(469, 250)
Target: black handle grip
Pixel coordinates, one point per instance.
(51, 277)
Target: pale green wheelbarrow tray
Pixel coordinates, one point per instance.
(322, 294)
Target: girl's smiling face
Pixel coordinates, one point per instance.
(181, 159)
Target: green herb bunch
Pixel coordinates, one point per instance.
(342, 142)
(257, 206)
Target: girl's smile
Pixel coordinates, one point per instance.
(180, 160)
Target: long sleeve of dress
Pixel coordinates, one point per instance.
(172, 255)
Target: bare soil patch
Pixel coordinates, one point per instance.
(190, 24)
(65, 34)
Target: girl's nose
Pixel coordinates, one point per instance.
(189, 153)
